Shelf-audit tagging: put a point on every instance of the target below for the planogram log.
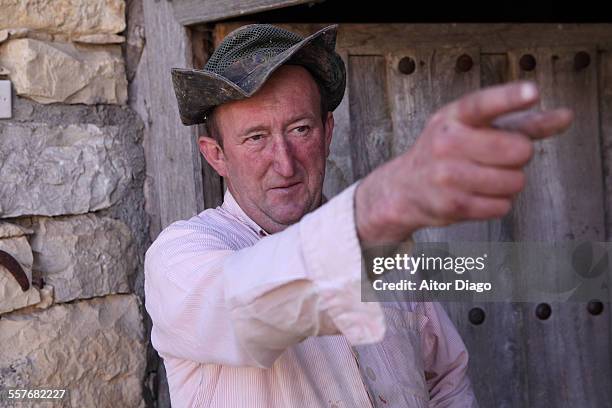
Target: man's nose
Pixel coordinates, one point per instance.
(283, 159)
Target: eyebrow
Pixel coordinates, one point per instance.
(259, 128)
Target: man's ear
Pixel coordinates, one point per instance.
(213, 153)
(329, 130)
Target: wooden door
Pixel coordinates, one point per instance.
(398, 74)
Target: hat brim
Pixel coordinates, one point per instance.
(197, 91)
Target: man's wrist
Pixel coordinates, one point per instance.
(375, 221)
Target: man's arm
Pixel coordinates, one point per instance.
(212, 304)
(467, 164)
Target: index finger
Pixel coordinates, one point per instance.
(480, 108)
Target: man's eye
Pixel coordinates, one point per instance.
(255, 138)
(302, 129)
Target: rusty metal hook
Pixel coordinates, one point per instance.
(15, 269)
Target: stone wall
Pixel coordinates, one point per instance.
(72, 211)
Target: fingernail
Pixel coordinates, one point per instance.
(528, 91)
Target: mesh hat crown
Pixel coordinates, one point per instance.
(247, 57)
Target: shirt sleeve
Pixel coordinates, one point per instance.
(211, 304)
(445, 361)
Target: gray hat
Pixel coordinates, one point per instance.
(247, 57)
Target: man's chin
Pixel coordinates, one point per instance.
(287, 213)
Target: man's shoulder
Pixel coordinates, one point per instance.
(213, 229)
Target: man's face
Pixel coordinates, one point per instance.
(274, 149)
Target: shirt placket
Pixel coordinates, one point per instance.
(356, 357)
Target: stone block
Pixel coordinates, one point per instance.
(49, 72)
(55, 170)
(94, 349)
(83, 256)
(13, 240)
(74, 17)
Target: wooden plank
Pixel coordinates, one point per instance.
(371, 127)
(201, 45)
(172, 153)
(605, 111)
(415, 96)
(491, 38)
(500, 336)
(568, 354)
(410, 94)
(371, 140)
(212, 182)
(189, 12)
(605, 126)
(568, 168)
(339, 169)
(379, 39)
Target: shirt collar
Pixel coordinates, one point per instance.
(231, 206)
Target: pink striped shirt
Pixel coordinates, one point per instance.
(246, 319)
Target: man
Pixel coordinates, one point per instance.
(257, 303)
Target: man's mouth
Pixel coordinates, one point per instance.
(286, 187)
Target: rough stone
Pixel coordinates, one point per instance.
(50, 72)
(58, 170)
(93, 349)
(46, 297)
(14, 33)
(69, 17)
(83, 256)
(100, 39)
(8, 230)
(13, 240)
